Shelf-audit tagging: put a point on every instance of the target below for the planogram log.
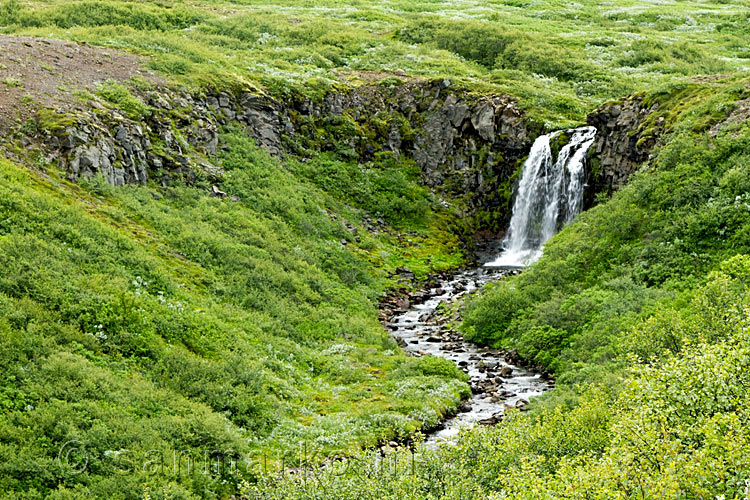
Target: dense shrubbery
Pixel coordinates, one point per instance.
(676, 429)
(483, 43)
(387, 188)
(98, 13)
(142, 318)
(495, 47)
(193, 324)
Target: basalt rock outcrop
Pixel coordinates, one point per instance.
(466, 147)
(623, 142)
(173, 140)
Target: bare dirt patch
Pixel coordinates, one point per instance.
(740, 114)
(37, 73)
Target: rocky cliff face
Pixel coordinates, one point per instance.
(623, 142)
(466, 147)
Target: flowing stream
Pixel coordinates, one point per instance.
(549, 195)
(496, 383)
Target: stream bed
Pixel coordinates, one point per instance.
(496, 382)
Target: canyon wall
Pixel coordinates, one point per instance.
(467, 147)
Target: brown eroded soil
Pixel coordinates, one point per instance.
(37, 73)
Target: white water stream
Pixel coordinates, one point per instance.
(549, 195)
(496, 383)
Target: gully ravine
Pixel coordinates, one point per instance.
(496, 380)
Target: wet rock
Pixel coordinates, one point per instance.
(494, 419)
(402, 303)
(217, 193)
(506, 371)
(513, 357)
(73, 138)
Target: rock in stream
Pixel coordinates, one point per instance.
(496, 383)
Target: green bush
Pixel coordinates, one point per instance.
(188, 323)
(479, 42)
(94, 13)
(387, 189)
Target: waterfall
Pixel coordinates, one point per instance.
(549, 195)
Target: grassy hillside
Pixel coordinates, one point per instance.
(560, 58)
(141, 319)
(143, 327)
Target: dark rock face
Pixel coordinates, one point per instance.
(118, 153)
(620, 147)
(101, 141)
(457, 138)
(465, 146)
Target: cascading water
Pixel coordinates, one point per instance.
(549, 195)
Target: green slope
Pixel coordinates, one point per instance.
(641, 309)
(144, 325)
(141, 319)
(561, 58)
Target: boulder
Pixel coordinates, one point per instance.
(483, 120)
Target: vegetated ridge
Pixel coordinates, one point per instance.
(195, 240)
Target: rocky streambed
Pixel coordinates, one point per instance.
(420, 322)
